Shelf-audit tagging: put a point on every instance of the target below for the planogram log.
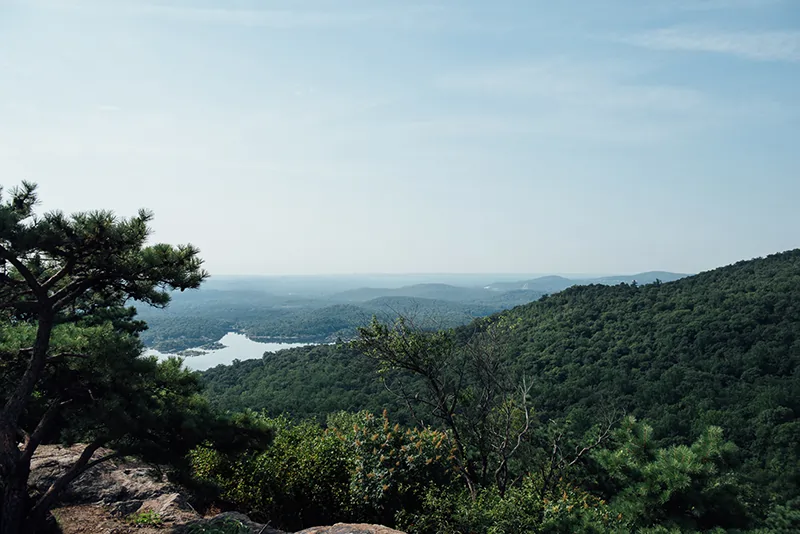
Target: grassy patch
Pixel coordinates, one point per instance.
(145, 518)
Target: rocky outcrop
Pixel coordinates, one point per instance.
(124, 496)
(121, 496)
(113, 481)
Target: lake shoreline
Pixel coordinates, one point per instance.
(233, 346)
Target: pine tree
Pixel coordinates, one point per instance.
(683, 486)
(58, 270)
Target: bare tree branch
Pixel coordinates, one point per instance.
(64, 271)
(70, 292)
(30, 279)
(42, 428)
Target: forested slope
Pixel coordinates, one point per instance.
(311, 381)
(719, 348)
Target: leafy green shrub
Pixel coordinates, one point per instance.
(575, 510)
(363, 468)
(358, 468)
(521, 509)
(303, 477)
(392, 467)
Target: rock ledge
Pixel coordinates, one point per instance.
(104, 499)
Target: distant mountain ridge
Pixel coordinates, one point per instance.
(427, 291)
(540, 286)
(552, 284)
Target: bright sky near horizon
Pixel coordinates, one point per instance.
(345, 136)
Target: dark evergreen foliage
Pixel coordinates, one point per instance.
(69, 349)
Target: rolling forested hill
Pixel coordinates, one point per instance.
(719, 348)
(189, 324)
(320, 309)
(428, 291)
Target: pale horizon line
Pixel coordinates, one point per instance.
(488, 273)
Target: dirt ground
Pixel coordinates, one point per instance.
(94, 519)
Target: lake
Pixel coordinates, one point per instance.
(237, 347)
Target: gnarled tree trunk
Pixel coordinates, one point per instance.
(15, 464)
(15, 501)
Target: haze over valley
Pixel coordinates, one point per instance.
(288, 310)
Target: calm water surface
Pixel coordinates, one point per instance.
(237, 347)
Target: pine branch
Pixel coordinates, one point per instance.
(31, 280)
(63, 356)
(56, 278)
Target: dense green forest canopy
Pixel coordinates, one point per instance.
(305, 382)
(719, 348)
(193, 323)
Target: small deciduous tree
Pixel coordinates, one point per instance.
(463, 380)
(466, 387)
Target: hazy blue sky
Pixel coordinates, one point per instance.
(313, 136)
